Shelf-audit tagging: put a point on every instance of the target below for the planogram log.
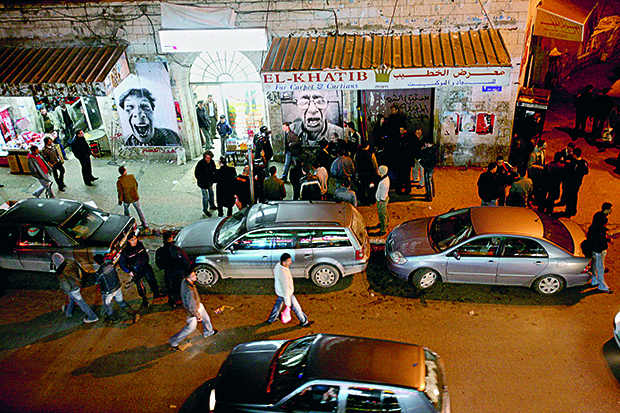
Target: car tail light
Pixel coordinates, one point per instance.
(359, 254)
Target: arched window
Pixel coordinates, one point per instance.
(223, 67)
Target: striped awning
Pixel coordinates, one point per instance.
(408, 57)
(50, 71)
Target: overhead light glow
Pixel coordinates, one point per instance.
(183, 41)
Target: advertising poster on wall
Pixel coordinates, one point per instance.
(314, 115)
(146, 107)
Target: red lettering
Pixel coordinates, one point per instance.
(351, 77)
(361, 76)
(297, 78)
(314, 77)
(267, 78)
(329, 78)
(278, 80)
(340, 76)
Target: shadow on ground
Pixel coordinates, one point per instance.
(124, 362)
(383, 282)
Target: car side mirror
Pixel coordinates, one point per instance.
(455, 254)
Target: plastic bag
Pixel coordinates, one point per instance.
(285, 315)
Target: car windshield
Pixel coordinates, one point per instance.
(435, 385)
(555, 231)
(290, 367)
(450, 228)
(230, 228)
(83, 223)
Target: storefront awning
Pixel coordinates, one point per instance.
(364, 62)
(59, 71)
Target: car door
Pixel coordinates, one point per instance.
(249, 256)
(522, 260)
(298, 243)
(35, 248)
(9, 247)
(474, 261)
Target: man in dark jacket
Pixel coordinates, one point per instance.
(81, 150)
(292, 148)
(225, 187)
(205, 176)
(488, 186)
(552, 174)
(428, 161)
(603, 105)
(196, 312)
(574, 172)
(110, 286)
(310, 185)
(583, 106)
(366, 167)
(204, 124)
(242, 187)
(135, 262)
(598, 243)
(274, 187)
(175, 263)
(404, 156)
(69, 276)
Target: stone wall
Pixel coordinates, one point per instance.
(136, 23)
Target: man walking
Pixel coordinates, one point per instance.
(204, 125)
(81, 150)
(175, 263)
(574, 172)
(53, 156)
(283, 284)
(135, 262)
(110, 286)
(127, 188)
(224, 130)
(488, 186)
(40, 170)
(274, 187)
(69, 276)
(599, 241)
(205, 176)
(292, 148)
(196, 312)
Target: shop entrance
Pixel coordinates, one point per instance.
(233, 82)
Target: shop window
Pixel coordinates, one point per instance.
(223, 67)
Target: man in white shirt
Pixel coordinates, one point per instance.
(283, 283)
(383, 188)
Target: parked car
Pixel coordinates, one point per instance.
(326, 240)
(330, 373)
(489, 245)
(34, 229)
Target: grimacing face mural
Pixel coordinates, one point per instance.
(140, 108)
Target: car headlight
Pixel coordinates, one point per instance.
(212, 400)
(397, 257)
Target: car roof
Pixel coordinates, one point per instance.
(40, 211)
(506, 220)
(297, 212)
(334, 357)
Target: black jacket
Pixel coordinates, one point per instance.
(205, 173)
(81, 148)
(488, 186)
(173, 260)
(597, 233)
(107, 278)
(225, 188)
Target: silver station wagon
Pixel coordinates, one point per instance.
(489, 245)
(326, 240)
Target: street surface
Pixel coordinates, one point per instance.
(505, 349)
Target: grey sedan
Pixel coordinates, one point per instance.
(489, 245)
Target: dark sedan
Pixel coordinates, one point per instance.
(33, 229)
(330, 373)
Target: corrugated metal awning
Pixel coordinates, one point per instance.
(39, 68)
(475, 49)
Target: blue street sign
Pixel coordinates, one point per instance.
(491, 88)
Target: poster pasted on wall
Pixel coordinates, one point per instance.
(314, 115)
(146, 107)
(455, 123)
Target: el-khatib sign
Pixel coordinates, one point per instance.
(385, 78)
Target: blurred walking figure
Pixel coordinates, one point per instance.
(69, 276)
(196, 312)
(135, 262)
(175, 263)
(53, 156)
(583, 103)
(603, 104)
(110, 286)
(599, 242)
(283, 284)
(127, 188)
(42, 171)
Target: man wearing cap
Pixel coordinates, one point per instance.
(110, 286)
(69, 276)
(40, 170)
(224, 130)
(383, 188)
(196, 312)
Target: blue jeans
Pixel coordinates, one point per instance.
(598, 278)
(288, 161)
(275, 312)
(418, 172)
(429, 184)
(207, 199)
(136, 205)
(75, 297)
(190, 326)
(45, 186)
(118, 297)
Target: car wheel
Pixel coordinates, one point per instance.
(325, 275)
(549, 285)
(206, 275)
(425, 279)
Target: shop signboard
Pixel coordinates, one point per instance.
(385, 78)
(549, 24)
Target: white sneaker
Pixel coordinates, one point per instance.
(86, 320)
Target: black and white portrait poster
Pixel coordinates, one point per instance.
(313, 115)
(146, 108)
